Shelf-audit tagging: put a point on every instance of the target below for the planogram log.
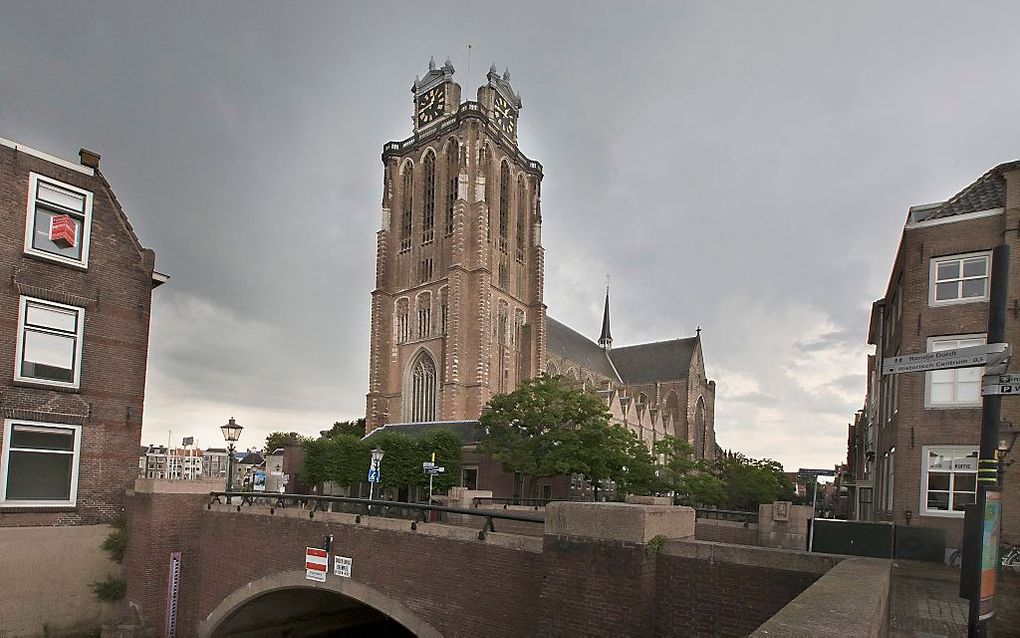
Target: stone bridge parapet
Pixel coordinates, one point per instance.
(621, 569)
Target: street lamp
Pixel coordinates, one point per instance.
(231, 433)
(373, 472)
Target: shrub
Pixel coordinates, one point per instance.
(115, 543)
(111, 589)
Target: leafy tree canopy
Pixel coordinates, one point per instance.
(277, 440)
(544, 428)
(344, 459)
(353, 428)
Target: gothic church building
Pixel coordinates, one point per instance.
(458, 313)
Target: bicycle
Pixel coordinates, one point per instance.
(1009, 557)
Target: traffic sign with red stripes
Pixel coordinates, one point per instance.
(316, 564)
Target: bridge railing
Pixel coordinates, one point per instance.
(417, 512)
(507, 502)
(738, 516)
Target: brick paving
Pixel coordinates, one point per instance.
(925, 602)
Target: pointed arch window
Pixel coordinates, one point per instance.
(504, 205)
(522, 215)
(518, 333)
(452, 176)
(423, 388)
(429, 205)
(424, 315)
(408, 201)
(403, 324)
(483, 170)
(504, 319)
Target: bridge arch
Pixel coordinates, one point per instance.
(295, 579)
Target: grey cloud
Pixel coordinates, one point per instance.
(719, 160)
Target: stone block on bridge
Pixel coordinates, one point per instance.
(627, 522)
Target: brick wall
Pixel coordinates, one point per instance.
(726, 532)
(591, 586)
(706, 590)
(504, 586)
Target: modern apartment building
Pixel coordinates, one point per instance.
(913, 448)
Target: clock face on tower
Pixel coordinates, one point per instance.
(431, 105)
(506, 118)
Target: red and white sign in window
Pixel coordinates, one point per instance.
(63, 231)
(316, 564)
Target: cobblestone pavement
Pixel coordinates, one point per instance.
(925, 602)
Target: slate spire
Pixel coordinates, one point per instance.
(606, 338)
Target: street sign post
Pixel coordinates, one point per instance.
(814, 474)
(430, 468)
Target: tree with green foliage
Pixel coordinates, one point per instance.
(353, 428)
(640, 472)
(276, 440)
(701, 489)
(448, 448)
(342, 459)
(544, 428)
(750, 482)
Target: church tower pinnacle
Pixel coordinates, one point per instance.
(606, 338)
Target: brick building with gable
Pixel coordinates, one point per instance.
(913, 448)
(74, 330)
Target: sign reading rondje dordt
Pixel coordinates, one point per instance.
(969, 357)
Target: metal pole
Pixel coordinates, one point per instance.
(811, 533)
(230, 470)
(990, 413)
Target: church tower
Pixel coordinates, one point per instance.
(457, 310)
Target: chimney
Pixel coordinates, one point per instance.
(89, 158)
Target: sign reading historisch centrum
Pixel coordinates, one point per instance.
(969, 357)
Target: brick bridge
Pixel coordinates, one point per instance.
(593, 569)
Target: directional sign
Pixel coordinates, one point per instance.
(316, 564)
(996, 379)
(1000, 388)
(970, 357)
(431, 468)
(373, 475)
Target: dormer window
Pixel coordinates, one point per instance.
(59, 221)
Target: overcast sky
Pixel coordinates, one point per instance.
(743, 167)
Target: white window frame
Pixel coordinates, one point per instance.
(928, 404)
(22, 312)
(86, 227)
(933, 272)
(923, 505)
(5, 453)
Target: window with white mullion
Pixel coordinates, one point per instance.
(957, 387)
(39, 464)
(959, 279)
(949, 479)
(59, 221)
(49, 342)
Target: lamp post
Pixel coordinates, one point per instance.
(373, 471)
(231, 433)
